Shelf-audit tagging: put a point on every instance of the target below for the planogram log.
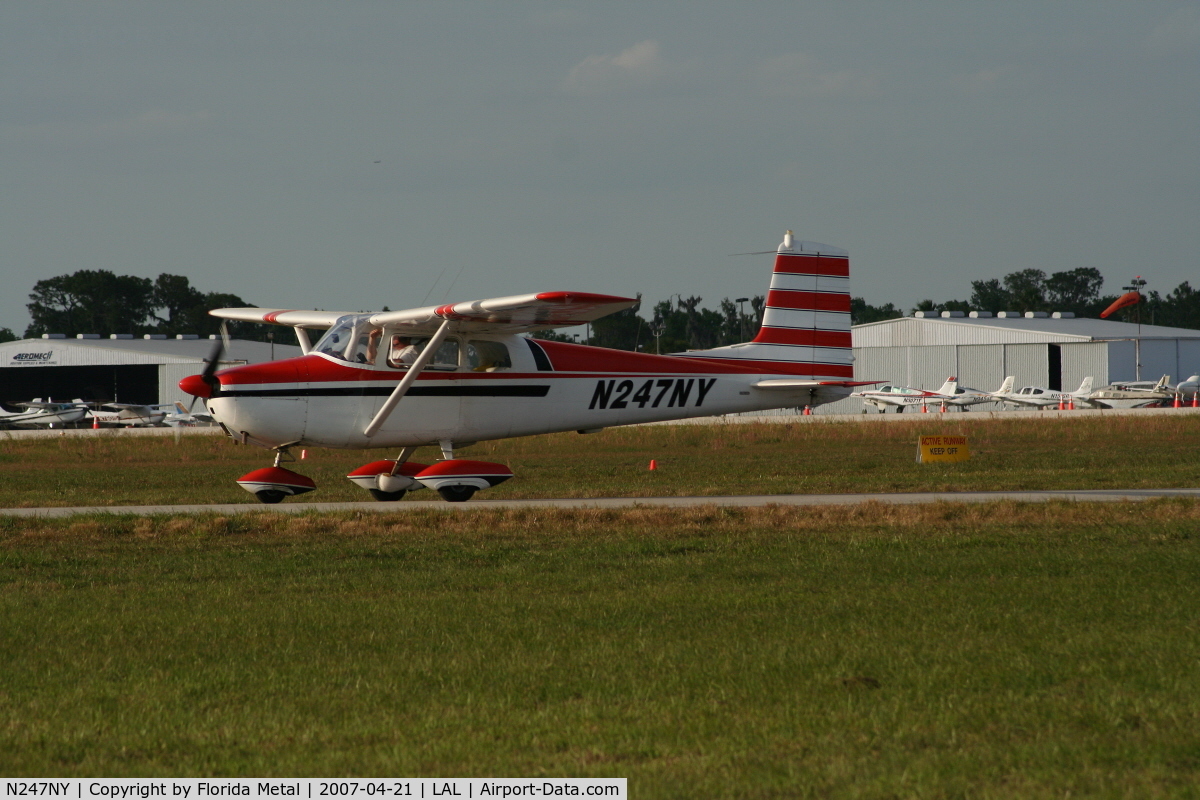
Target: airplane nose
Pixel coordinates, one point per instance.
(196, 386)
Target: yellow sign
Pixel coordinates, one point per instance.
(942, 448)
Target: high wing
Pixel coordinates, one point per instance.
(516, 314)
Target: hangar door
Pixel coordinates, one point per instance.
(124, 383)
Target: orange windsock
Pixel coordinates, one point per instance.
(1127, 299)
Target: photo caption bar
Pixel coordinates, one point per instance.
(206, 788)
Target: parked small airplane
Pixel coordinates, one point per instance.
(42, 414)
(950, 395)
(456, 374)
(1132, 394)
(126, 415)
(1040, 397)
(1188, 388)
(183, 418)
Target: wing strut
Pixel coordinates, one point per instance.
(401, 389)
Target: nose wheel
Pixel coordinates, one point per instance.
(275, 484)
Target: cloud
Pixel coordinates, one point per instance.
(639, 66)
(802, 75)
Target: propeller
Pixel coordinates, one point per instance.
(209, 375)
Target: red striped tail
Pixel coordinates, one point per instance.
(806, 323)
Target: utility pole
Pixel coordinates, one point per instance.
(741, 319)
(1136, 285)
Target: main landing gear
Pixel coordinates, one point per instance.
(455, 479)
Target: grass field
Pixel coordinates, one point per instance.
(994, 650)
(1000, 650)
(1123, 452)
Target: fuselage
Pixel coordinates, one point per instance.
(488, 387)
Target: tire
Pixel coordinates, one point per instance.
(270, 496)
(456, 494)
(387, 497)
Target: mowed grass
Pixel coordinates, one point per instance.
(995, 650)
(1124, 452)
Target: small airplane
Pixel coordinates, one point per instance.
(39, 414)
(1039, 397)
(460, 373)
(127, 415)
(183, 418)
(950, 395)
(1188, 388)
(1132, 394)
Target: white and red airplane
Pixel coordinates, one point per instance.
(950, 395)
(456, 374)
(1040, 397)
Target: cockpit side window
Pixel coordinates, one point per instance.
(484, 356)
(403, 350)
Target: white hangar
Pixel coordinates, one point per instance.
(119, 368)
(1056, 351)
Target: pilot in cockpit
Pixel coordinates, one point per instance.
(403, 352)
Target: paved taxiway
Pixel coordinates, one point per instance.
(1082, 496)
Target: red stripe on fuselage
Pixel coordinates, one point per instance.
(803, 336)
(569, 360)
(813, 265)
(808, 301)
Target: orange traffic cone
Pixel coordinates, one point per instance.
(95, 423)
(807, 411)
(1070, 404)
(1178, 402)
(943, 408)
(924, 408)
(1196, 400)
(653, 464)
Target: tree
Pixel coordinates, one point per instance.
(624, 330)
(7, 335)
(1026, 290)
(97, 301)
(862, 312)
(1074, 290)
(90, 301)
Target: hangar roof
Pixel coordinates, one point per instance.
(85, 352)
(917, 331)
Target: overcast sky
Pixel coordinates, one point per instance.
(348, 155)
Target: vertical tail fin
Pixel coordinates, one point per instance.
(806, 323)
(950, 386)
(1084, 388)
(1007, 386)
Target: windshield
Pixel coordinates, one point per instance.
(351, 339)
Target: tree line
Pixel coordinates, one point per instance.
(98, 301)
(1076, 290)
